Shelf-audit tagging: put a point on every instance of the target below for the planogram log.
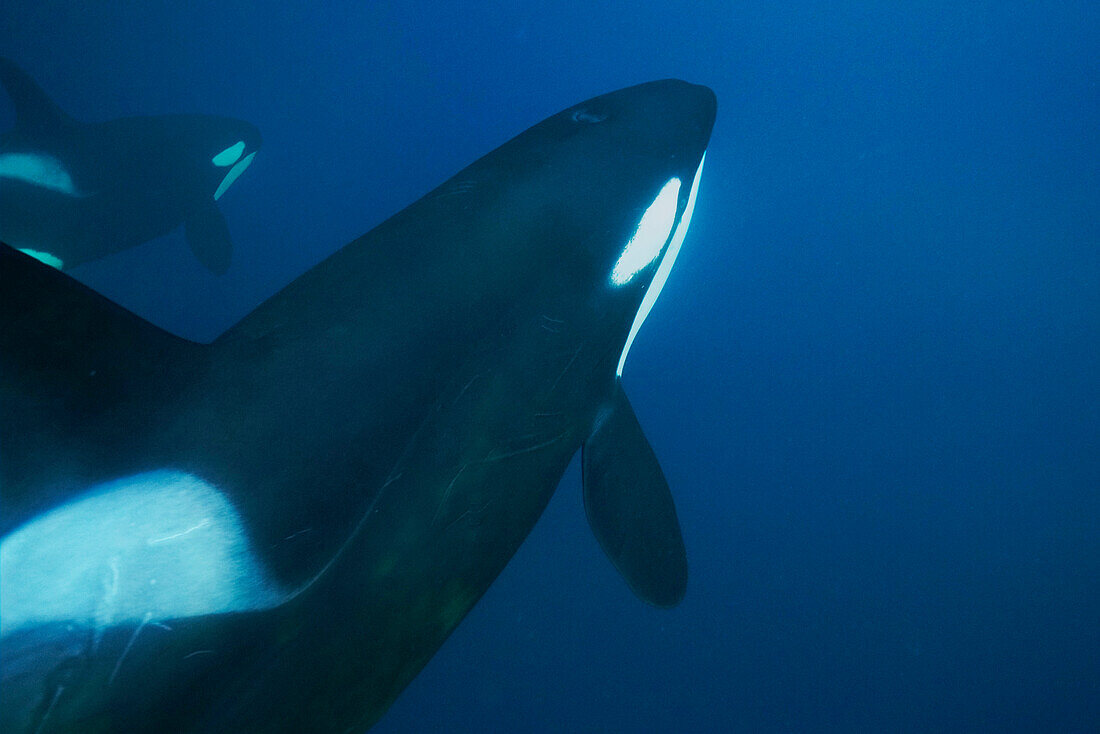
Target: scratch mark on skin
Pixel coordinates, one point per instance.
(452, 523)
(198, 652)
(162, 625)
(551, 324)
(459, 187)
(476, 511)
(569, 364)
(133, 638)
(548, 415)
(493, 456)
(49, 709)
(465, 388)
(300, 532)
(105, 611)
(526, 437)
(180, 534)
(372, 510)
(447, 494)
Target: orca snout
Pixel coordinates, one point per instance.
(693, 107)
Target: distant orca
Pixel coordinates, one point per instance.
(72, 192)
(276, 531)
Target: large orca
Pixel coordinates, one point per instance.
(72, 192)
(274, 532)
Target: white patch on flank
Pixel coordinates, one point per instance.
(38, 170)
(650, 236)
(664, 268)
(228, 156)
(51, 260)
(233, 174)
(160, 545)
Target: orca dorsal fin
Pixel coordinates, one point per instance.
(630, 507)
(76, 370)
(34, 110)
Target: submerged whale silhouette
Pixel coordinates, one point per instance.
(277, 530)
(72, 192)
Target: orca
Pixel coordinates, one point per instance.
(71, 192)
(275, 531)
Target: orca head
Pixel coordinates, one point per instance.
(626, 166)
(669, 124)
(205, 154)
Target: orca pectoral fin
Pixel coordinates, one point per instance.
(208, 236)
(630, 508)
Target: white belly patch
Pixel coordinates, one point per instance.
(159, 545)
(38, 169)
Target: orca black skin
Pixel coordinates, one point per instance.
(72, 192)
(276, 531)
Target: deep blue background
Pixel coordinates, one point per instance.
(872, 378)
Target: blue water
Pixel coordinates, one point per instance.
(872, 379)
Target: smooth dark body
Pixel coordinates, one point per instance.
(132, 179)
(390, 426)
